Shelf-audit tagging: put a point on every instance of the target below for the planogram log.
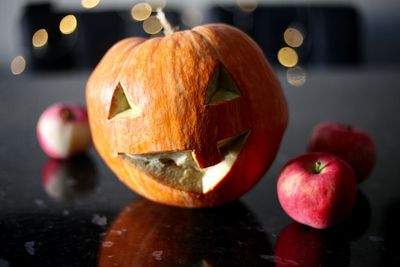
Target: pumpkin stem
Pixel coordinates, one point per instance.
(164, 22)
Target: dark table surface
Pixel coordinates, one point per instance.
(85, 217)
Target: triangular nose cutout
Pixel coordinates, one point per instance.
(120, 107)
(221, 88)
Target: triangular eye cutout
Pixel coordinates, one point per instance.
(120, 107)
(221, 88)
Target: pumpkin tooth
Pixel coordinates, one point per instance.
(207, 156)
(179, 169)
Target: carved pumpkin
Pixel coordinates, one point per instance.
(191, 119)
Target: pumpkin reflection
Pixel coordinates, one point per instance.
(150, 234)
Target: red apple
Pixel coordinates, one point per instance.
(63, 130)
(317, 189)
(350, 144)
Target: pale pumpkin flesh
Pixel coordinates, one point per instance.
(179, 169)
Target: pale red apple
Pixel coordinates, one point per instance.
(63, 130)
(317, 189)
(353, 145)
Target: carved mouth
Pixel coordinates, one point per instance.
(179, 169)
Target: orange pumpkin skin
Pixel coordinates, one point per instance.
(167, 78)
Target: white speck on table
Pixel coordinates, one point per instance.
(99, 220)
(40, 203)
(119, 232)
(107, 244)
(157, 255)
(279, 260)
(30, 247)
(376, 238)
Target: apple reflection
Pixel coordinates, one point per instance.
(68, 179)
(150, 234)
(300, 245)
(359, 221)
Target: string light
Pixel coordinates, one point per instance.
(18, 65)
(141, 11)
(152, 25)
(40, 38)
(293, 37)
(88, 4)
(288, 57)
(296, 76)
(68, 24)
(247, 6)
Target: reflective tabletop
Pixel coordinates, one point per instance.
(77, 213)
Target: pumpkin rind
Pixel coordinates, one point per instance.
(167, 78)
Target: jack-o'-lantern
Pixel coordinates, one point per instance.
(191, 119)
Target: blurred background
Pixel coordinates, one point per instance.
(74, 34)
(342, 55)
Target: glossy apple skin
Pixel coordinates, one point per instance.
(352, 145)
(319, 200)
(63, 130)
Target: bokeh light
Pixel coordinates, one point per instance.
(68, 24)
(152, 25)
(288, 57)
(296, 76)
(247, 5)
(89, 3)
(18, 65)
(141, 11)
(192, 17)
(40, 38)
(293, 37)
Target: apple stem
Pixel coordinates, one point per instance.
(164, 22)
(349, 127)
(67, 115)
(317, 167)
